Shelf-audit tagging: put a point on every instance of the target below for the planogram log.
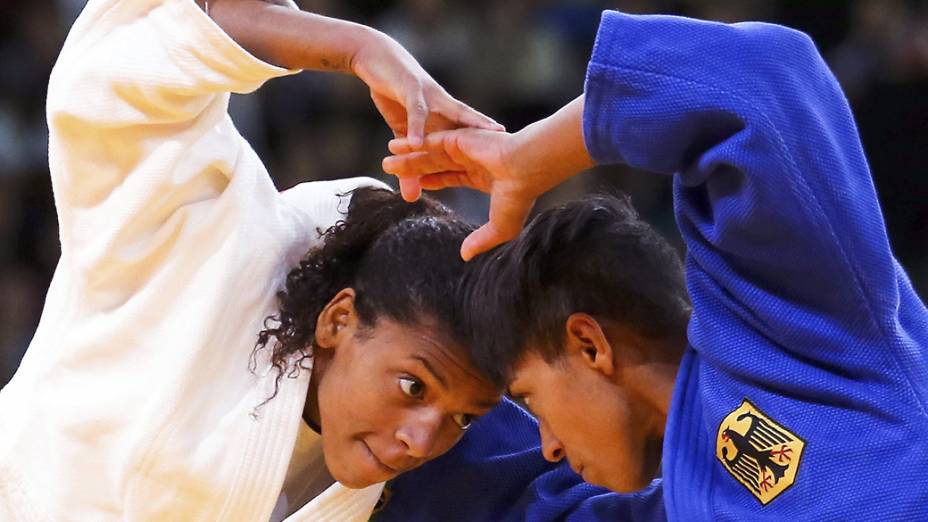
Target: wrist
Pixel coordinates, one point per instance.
(552, 150)
(546, 154)
(526, 158)
(365, 41)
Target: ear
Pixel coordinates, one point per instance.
(337, 320)
(587, 340)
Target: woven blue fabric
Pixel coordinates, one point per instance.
(799, 304)
(497, 474)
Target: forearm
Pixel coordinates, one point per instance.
(279, 33)
(552, 150)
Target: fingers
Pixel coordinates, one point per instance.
(393, 114)
(434, 142)
(443, 180)
(410, 189)
(507, 217)
(465, 116)
(401, 145)
(432, 157)
(417, 112)
(420, 170)
(419, 117)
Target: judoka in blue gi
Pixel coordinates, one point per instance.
(795, 385)
(135, 400)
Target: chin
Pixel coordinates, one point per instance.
(348, 474)
(622, 484)
(353, 481)
(354, 466)
(356, 484)
(356, 473)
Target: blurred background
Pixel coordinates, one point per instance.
(515, 60)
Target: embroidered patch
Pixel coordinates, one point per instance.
(759, 453)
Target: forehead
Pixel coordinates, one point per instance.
(426, 339)
(428, 347)
(529, 371)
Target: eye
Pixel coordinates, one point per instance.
(412, 387)
(464, 420)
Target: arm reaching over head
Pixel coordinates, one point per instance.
(410, 101)
(137, 111)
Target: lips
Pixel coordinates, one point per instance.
(378, 462)
(396, 460)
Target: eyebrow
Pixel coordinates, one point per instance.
(428, 366)
(487, 405)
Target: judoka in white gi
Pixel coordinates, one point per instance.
(135, 400)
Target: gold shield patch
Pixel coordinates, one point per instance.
(759, 453)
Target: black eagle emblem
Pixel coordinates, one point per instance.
(759, 453)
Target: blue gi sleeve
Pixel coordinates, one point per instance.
(787, 249)
(497, 473)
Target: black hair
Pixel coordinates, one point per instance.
(593, 256)
(402, 260)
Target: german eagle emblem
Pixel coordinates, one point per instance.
(759, 453)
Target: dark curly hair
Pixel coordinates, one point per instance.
(402, 259)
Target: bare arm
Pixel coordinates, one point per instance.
(279, 33)
(410, 101)
(552, 150)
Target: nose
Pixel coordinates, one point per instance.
(551, 446)
(420, 434)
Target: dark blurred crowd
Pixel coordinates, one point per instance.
(516, 60)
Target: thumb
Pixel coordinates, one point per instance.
(479, 241)
(410, 189)
(507, 217)
(393, 113)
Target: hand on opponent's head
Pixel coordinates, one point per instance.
(474, 158)
(514, 169)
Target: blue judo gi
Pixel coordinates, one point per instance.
(803, 393)
(804, 389)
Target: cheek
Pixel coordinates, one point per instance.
(356, 401)
(587, 420)
(447, 439)
(569, 419)
(612, 437)
(341, 400)
(352, 409)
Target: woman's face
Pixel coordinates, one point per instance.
(390, 397)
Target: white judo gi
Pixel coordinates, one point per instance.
(134, 400)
